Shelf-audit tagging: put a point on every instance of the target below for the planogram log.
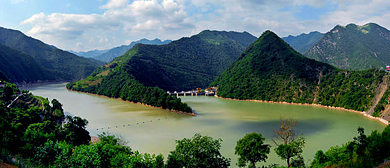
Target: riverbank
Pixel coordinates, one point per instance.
(383, 121)
(175, 111)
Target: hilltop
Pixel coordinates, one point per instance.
(271, 70)
(353, 47)
(303, 42)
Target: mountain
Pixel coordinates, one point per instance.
(65, 65)
(19, 67)
(271, 70)
(118, 51)
(185, 64)
(354, 47)
(303, 42)
(89, 54)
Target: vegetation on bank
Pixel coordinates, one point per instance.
(271, 70)
(117, 83)
(36, 133)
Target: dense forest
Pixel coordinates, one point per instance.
(271, 70)
(187, 63)
(353, 47)
(117, 83)
(55, 62)
(19, 67)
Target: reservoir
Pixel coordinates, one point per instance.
(153, 130)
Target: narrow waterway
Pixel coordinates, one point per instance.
(154, 130)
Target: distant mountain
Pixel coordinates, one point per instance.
(89, 54)
(65, 65)
(354, 47)
(19, 67)
(303, 42)
(118, 51)
(271, 70)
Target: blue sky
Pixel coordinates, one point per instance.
(83, 25)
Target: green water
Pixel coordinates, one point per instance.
(155, 130)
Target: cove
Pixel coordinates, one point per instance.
(153, 130)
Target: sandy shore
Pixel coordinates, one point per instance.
(175, 111)
(383, 121)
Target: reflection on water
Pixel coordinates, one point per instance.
(154, 130)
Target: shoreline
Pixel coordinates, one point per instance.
(174, 111)
(381, 120)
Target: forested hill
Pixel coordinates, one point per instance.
(354, 47)
(22, 68)
(184, 64)
(187, 63)
(68, 66)
(303, 42)
(271, 70)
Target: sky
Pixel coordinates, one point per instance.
(83, 25)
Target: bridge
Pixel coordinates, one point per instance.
(198, 92)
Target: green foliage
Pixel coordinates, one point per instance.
(120, 84)
(20, 67)
(292, 150)
(188, 63)
(43, 62)
(74, 131)
(363, 151)
(184, 64)
(353, 47)
(270, 70)
(251, 148)
(34, 130)
(200, 151)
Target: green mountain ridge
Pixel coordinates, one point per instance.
(65, 65)
(188, 63)
(184, 64)
(22, 68)
(271, 70)
(353, 47)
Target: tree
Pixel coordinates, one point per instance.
(289, 144)
(74, 131)
(251, 148)
(57, 108)
(200, 151)
(293, 149)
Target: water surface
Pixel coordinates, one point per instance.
(154, 130)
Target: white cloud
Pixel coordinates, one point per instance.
(112, 4)
(164, 19)
(124, 20)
